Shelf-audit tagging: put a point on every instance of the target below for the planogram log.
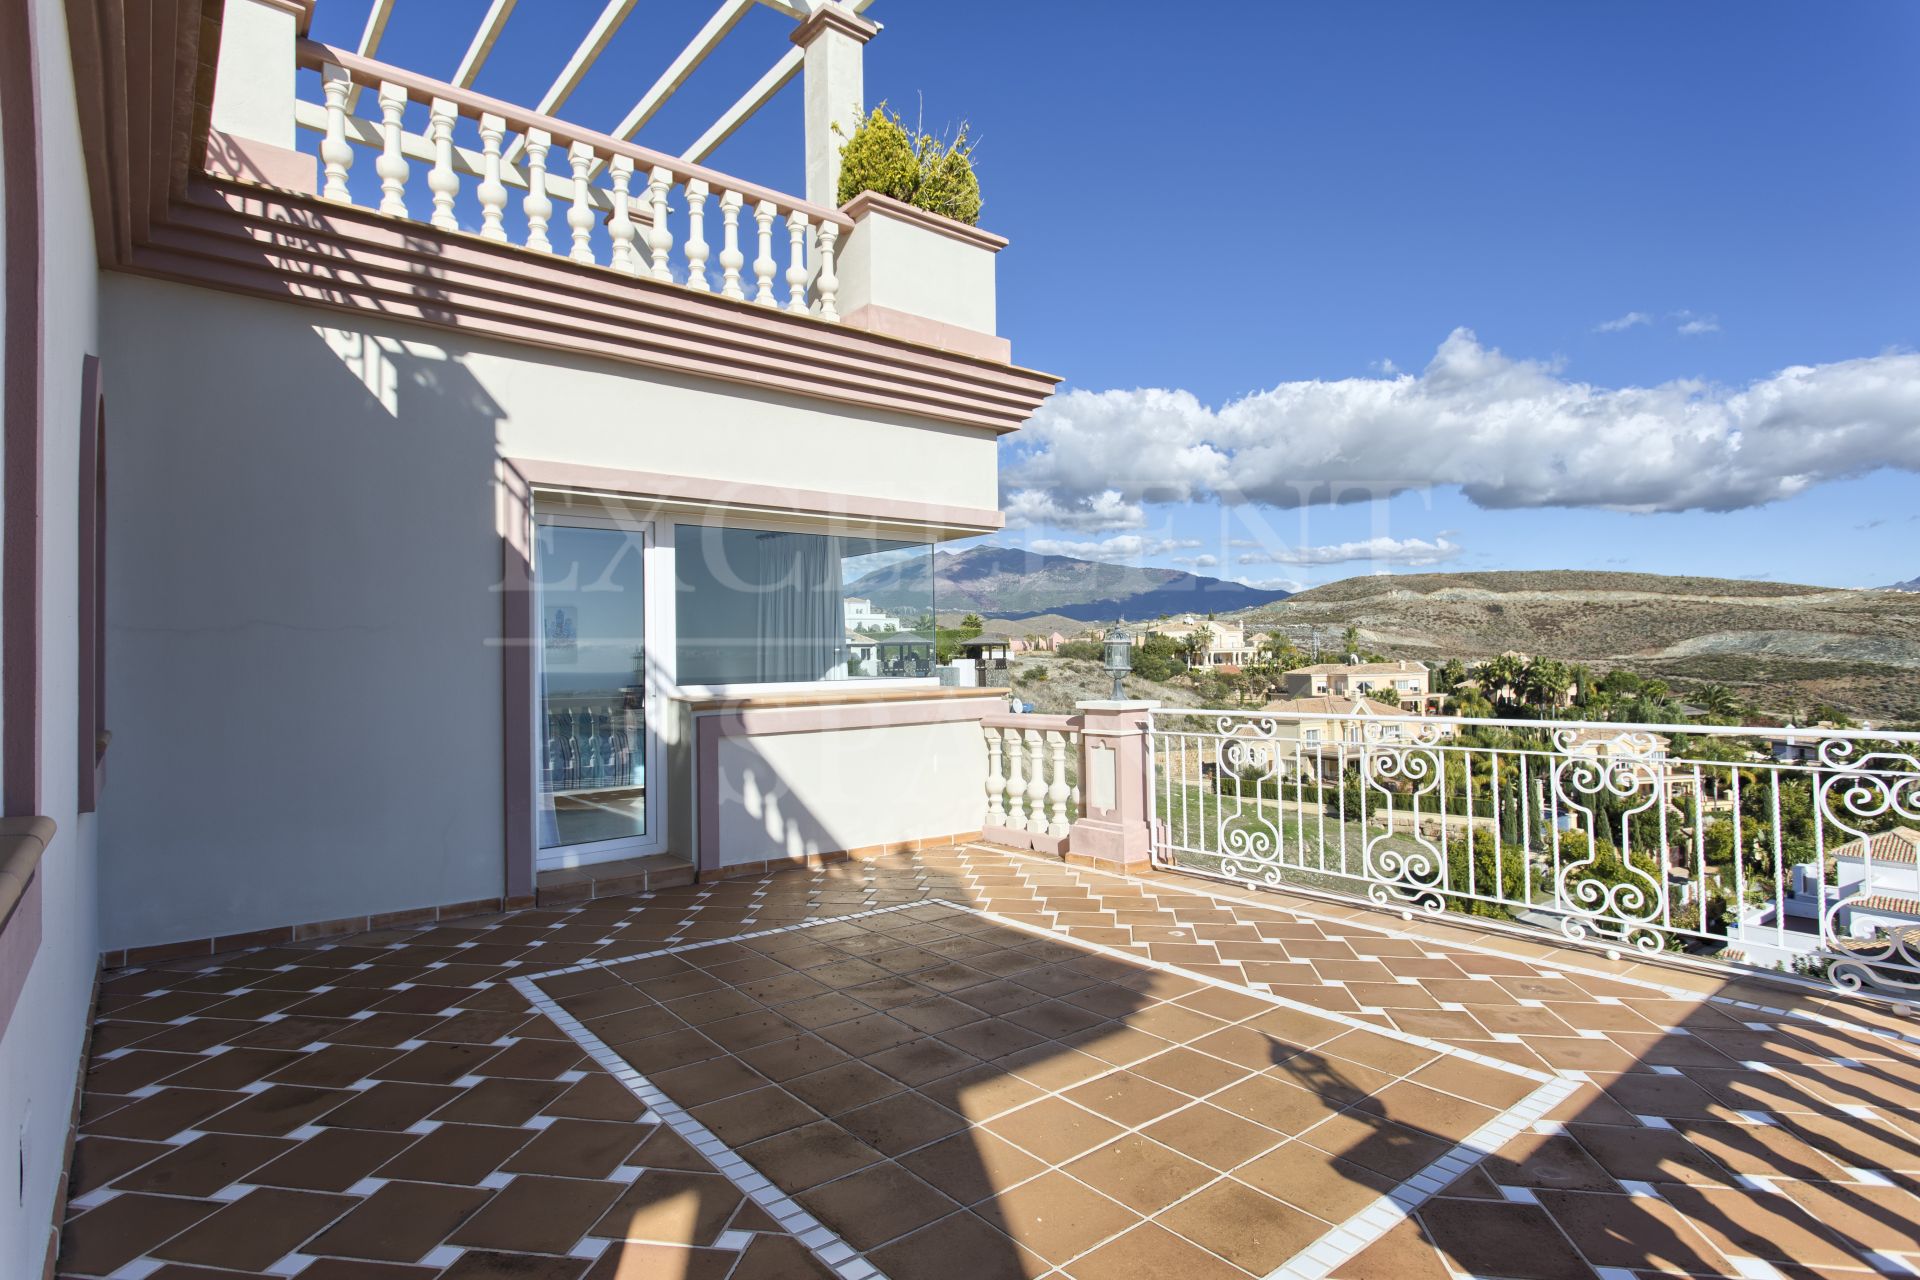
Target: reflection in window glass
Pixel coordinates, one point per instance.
(755, 605)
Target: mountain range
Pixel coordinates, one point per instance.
(1008, 582)
(1911, 584)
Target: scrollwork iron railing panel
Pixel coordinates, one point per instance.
(1793, 849)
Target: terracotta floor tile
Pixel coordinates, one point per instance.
(753, 1116)
(901, 1123)
(1307, 1178)
(460, 1154)
(279, 1110)
(1151, 1250)
(334, 1067)
(809, 1155)
(972, 1166)
(671, 1207)
(1638, 1232)
(1484, 1238)
(255, 1231)
(101, 1241)
(1775, 1228)
(1140, 1173)
(578, 1149)
(344, 1269)
(1647, 1155)
(876, 1205)
(1392, 1150)
(1056, 1216)
(636, 1261)
(1214, 1137)
(1127, 1099)
(401, 1222)
(483, 1264)
(164, 1114)
(504, 1101)
(390, 1105)
(1547, 1161)
(535, 1214)
(1246, 1227)
(333, 1160)
(961, 1246)
(1054, 1130)
(205, 1165)
(598, 1097)
(99, 1161)
(767, 1258)
(1401, 1254)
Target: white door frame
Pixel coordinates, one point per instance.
(656, 569)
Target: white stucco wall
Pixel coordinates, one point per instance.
(892, 263)
(305, 699)
(40, 1054)
(792, 794)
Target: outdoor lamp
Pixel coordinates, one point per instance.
(1119, 658)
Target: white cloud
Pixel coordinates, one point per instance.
(1409, 551)
(1626, 321)
(1508, 432)
(1692, 325)
(1197, 562)
(1270, 584)
(1094, 513)
(1129, 545)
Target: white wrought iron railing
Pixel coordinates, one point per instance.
(590, 748)
(623, 201)
(1033, 779)
(1787, 849)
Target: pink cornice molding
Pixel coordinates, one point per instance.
(872, 202)
(831, 17)
(703, 491)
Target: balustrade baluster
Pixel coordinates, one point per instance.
(1016, 782)
(392, 166)
(492, 191)
(625, 257)
(580, 215)
(697, 237)
(730, 259)
(996, 785)
(660, 236)
(763, 268)
(336, 153)
(1036, 785)
(443, 181)
(797, 262)
(1057, 790)
(826, 285)
(538, 205)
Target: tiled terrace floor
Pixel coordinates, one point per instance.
(969, 1063)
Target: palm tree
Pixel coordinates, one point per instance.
(1195, 647)
(1500, 677)
(1717, 700)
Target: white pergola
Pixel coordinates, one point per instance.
(601, 33)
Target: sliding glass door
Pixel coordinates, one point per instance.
(597, 767)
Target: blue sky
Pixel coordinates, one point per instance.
(1647, 210)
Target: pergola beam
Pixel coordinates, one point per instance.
(724, 19)
(578, 65)
(483, 41)
(751, 101)
(370, 37)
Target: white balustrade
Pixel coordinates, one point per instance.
(492, 192)
(625, 257)
(1031, 797)
(392, 166)
(336, 153)
(538, 206)
(604, 180)
(580, 216)
(443, 181)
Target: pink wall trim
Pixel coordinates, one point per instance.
(834, 17)
(930, 333)
(251, 160)
(872, 202)
(514, 516)
(648, 484)
(711, 728)
(24, 400)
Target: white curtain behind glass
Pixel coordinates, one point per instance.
(801, 627)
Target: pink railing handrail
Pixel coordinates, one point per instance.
(1013, 720)
(313, 54)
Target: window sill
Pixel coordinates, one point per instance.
(22, 841)
(719, 700)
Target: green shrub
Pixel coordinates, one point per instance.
(879, 157)
(920, 170)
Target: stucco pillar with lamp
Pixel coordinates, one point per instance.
(1112, 832)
